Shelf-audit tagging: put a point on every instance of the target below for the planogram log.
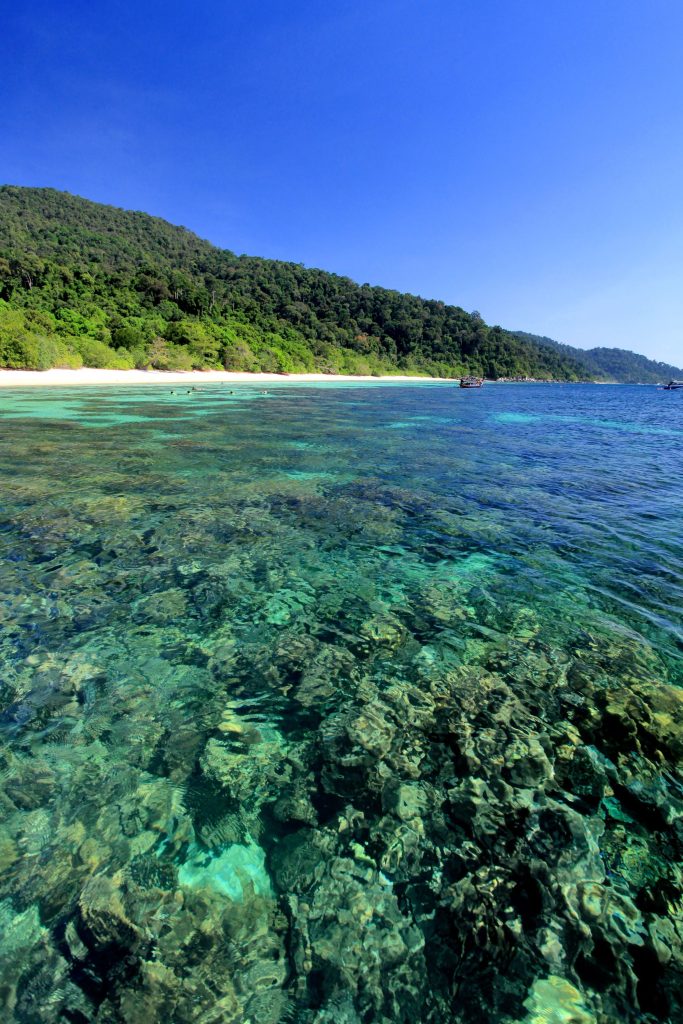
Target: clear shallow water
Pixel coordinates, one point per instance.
(341, 704)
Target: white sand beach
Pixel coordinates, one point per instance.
(85, 376)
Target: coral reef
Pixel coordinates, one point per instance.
(287, 742)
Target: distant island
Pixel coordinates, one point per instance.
(83, 284)
(611, 364)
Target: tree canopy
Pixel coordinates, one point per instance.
(82, 283)
(611, 364)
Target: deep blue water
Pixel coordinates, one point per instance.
(341, 704)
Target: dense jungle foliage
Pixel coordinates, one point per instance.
(611, 364)
(86, 284)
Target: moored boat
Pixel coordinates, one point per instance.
(471, 382)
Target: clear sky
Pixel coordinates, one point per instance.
(519, 157)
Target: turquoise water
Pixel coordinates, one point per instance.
(341, 705)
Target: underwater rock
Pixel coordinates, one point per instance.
(666, 937)
(161, 607)
(298, 860)
(20, 936)
(103, 914)
(405, 800)
(622, 919)
(655, 796)
(231, 827)
(554, 1000)
(30, 784)
(612, 910)
(77, 948)
(468, 799)
(157, 995)
(651, 715)
(384, 630)
(93, 854)
(323, 673)
(184, 996)
(526, 762)
(360, 942)
(525, 625)
(579, 770)
(372, 730)
(296, 806)
(404, 848)
(35, 983)
(412, 703)
(252, 765)
(150, 871)
(8, 850)
(339, 1011)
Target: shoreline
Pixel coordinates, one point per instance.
(88, 376)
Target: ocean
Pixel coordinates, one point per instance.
(345, 704)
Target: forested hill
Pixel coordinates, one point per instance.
(82, 283)
(613, 364)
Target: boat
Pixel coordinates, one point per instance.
(471, 382)
(673, 385)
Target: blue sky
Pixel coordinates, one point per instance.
(519, 157)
